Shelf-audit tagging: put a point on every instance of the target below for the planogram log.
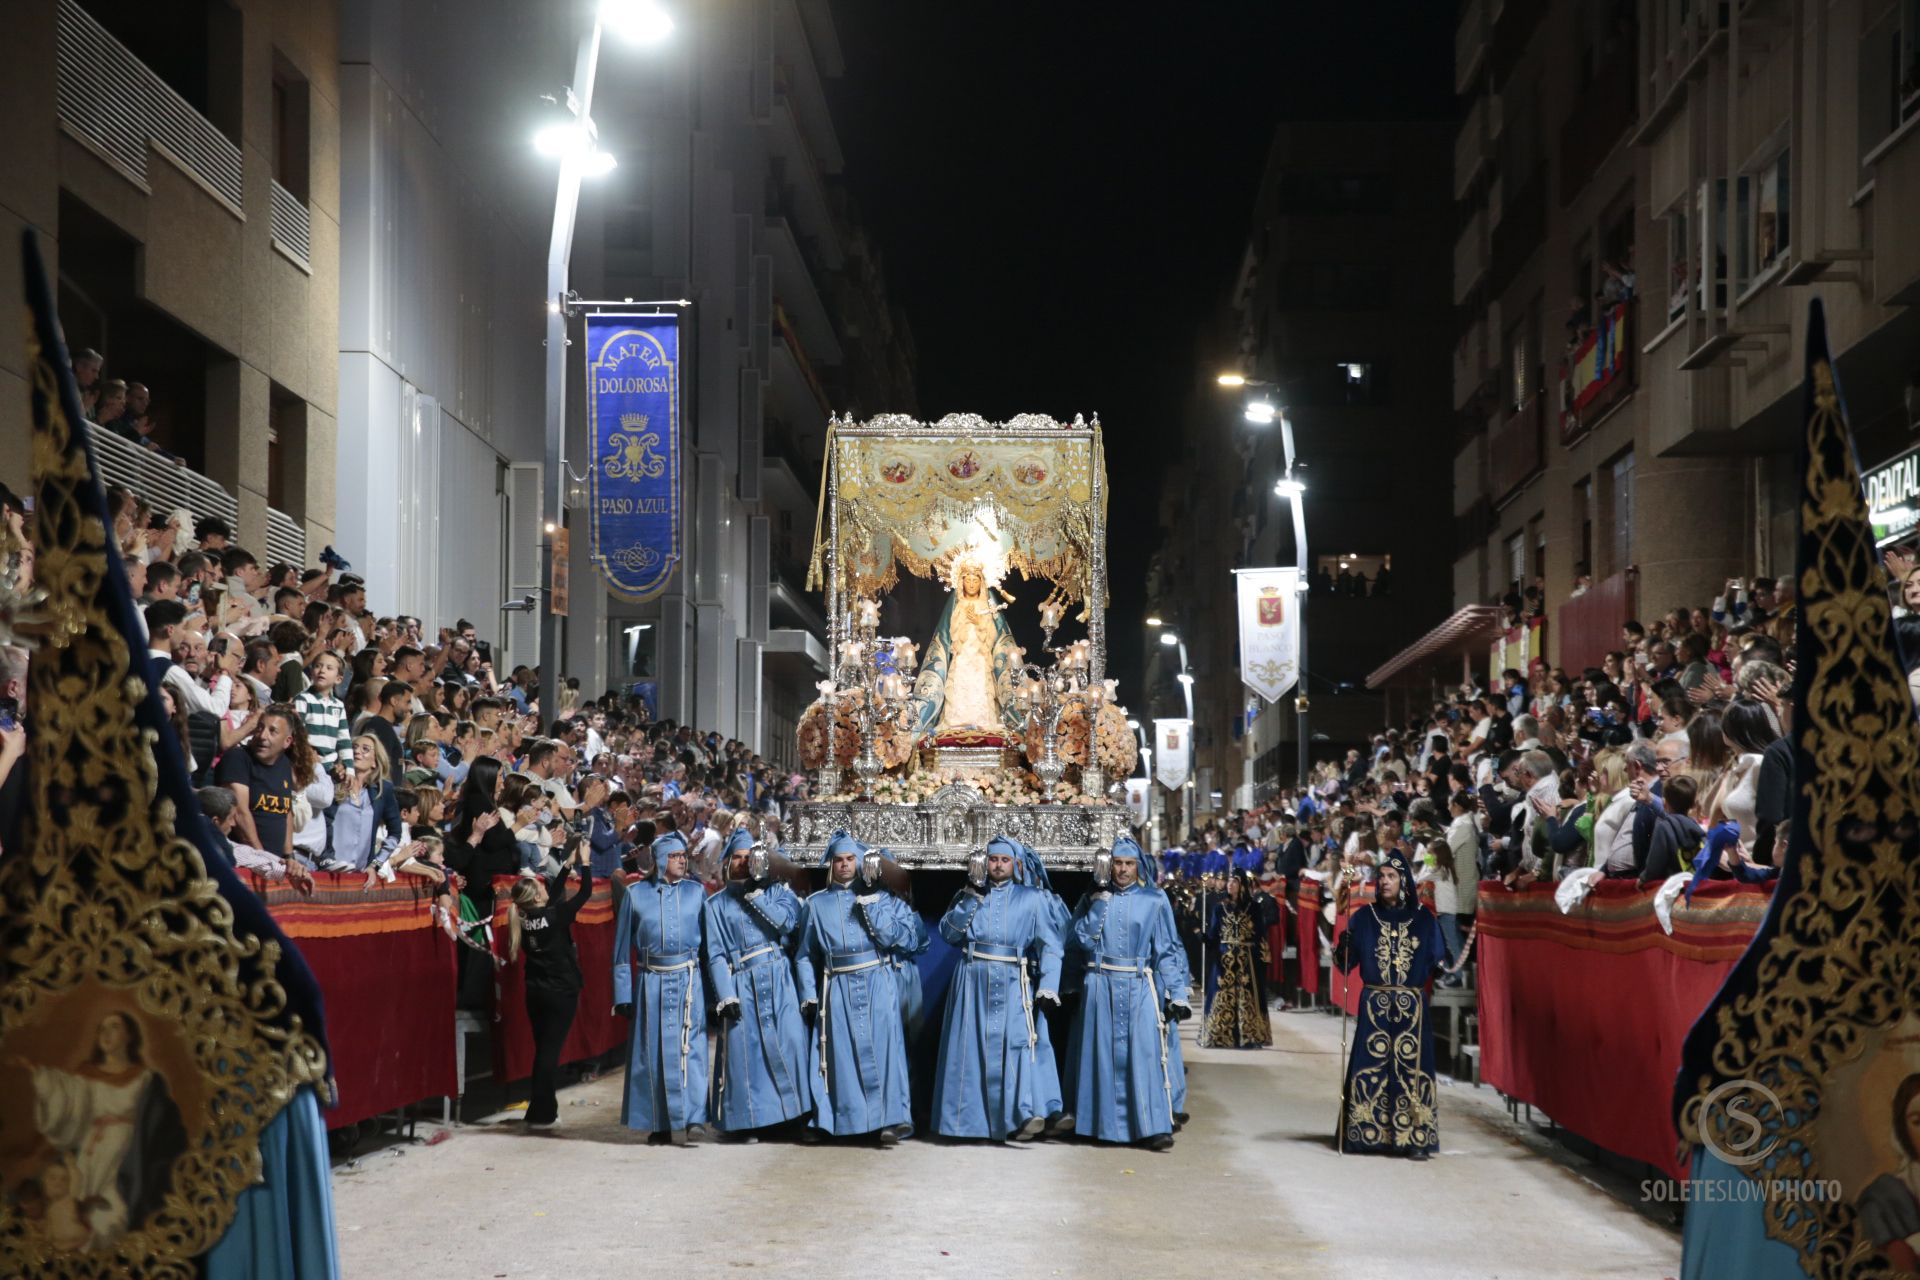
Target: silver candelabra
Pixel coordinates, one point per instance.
(875, 675)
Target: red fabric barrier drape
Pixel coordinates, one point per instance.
(1584, 1015)
(595, 1028)
(1307, 936)
(386, 972)
(1277, 944)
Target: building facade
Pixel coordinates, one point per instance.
(320, 238)
(1340, 319)
(1649, 197)
(181, 166)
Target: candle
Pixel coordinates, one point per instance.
(1050, 614)
(869, 613)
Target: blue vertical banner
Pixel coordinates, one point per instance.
(633, 421)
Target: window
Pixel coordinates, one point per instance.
(1621, 474)
(1710, 224)
(1680, 271)
(291, 127)
(1583, 509)
(1517, 561)
(1519, 348)
(1772, 212)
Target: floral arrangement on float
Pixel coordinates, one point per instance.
(1115, 749)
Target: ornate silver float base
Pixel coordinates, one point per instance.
(940, 831)
(970, 760)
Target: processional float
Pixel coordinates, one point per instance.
(929, 750)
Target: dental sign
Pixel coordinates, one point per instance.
(1893, 497)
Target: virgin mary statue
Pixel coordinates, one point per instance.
(963, 691)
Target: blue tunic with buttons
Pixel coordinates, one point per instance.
(857, 1052)
(656, 968)
(763, 1053)
(1118, 1057)
(989, 1079)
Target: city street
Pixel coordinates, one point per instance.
(1252, 1187)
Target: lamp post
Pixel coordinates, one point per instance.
(1173, 640)
(573, 141)
(1261, 413)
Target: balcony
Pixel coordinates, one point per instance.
(1514, 453)
(1589, 625)
(809, 207)
(1470, 364)
(1469, 45)
(292, 227)
(1470, 148)
(1470, 257)
(166, 483)
(1522, 226)
(1598, 373)
(116, 106)
(797, 290)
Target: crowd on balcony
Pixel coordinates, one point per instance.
(116, 404)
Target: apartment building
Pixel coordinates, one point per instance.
(1649, 195)
(181, 165)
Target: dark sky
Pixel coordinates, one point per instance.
(1062, 192)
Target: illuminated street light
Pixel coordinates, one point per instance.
(637, 21)
(1289, 488)
(1169, 639)
(1185, 677)
(1153, 620)
(1232, 379)
(1260, 412)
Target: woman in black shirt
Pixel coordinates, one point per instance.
(478, 848)
(542, 930)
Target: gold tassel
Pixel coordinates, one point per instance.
(816, 577)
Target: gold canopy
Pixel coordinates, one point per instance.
(1029, 492)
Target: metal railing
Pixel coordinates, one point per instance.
(165, 482)
(286, 539)
(291, 224)
(117, 104)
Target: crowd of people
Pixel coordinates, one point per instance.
(1669, 758)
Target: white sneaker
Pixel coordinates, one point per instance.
(543, 1124)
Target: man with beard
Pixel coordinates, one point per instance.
(858, 1057)
(762, 1076)
(990, 1082)
(658, 923)
(1135, 989)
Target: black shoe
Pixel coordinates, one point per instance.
(1059, 1124)
(1160, 1142)
(810, 1136)
(888, 1137)
(1180, 1118)
(695, 1135)
(1030, 1130)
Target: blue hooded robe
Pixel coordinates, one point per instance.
(763, 1052)
(657, 930)
(857, 1055)
(1176, 1059)
(989, 1079)
(1120, 1055)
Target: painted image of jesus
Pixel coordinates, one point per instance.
(115, 1127)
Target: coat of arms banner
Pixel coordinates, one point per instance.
(1269, 630)
(633, 424)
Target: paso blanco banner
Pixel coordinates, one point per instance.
(1269, 630)
(1137, 801)
(1172, 743)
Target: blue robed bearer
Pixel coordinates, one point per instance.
(657, 937)
(761, 1076)
(857, 1053)
(992, 1080)
(1135, 989)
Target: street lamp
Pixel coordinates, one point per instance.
(1154, 620)
(574, 142)
(1169, 638)
(1260, 413)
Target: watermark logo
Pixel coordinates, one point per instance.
(1731, 1126)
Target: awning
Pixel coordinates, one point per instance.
(1468, 631)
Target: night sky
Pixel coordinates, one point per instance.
(1062, 193)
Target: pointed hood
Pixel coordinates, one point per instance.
(664, 847)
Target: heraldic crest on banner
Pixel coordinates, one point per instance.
(1805, 1066)
(138, 987)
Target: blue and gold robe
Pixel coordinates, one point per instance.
(1119, 1058)
(857, 1055)
(1388, 1103)
(657, 936)
(990, 1078)
(763, 1053)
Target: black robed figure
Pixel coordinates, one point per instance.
(1387, 1103)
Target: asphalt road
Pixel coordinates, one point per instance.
(1252, 1187)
